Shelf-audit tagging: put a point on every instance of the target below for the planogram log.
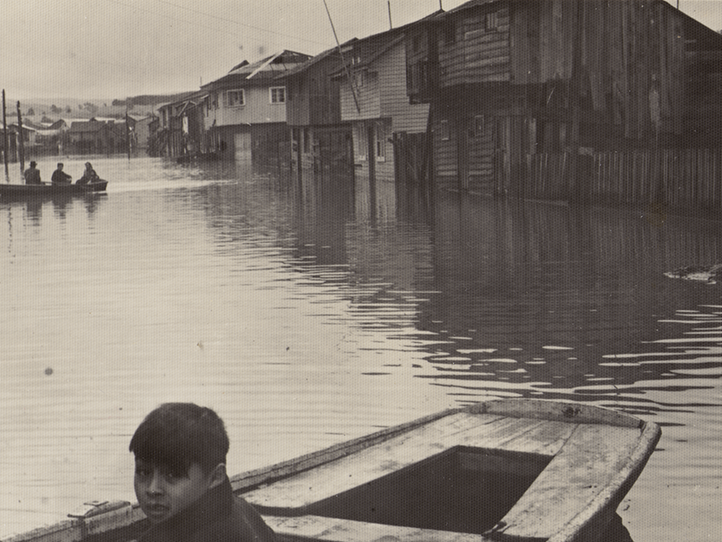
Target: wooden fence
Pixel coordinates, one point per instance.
(680, 178)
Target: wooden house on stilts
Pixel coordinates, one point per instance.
(245, 113)
(508, 80)
(319, 137)
(374, 100)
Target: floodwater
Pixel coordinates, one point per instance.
(307, 313)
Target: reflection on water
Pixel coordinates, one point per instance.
(309, 312)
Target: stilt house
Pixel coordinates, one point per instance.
(181, 128)
(507, 79)
(313, 113)
(374, 100)
(245, 114)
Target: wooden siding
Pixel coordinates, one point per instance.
(411, 118)
(313, 96)
(481, 144)
(257, 110)
(624, 51)
(618, 65)
(382, 94)
(384, 167)
(298, 108)
(446, 162)
(466, 159)
(367, 95)
(476, 55)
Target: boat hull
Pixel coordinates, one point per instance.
(521, 470)
(19, 191)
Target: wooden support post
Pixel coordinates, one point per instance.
(127, 131)
(21, 143)
(5, 140)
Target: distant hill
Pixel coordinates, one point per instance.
(54, 109)
(154, 99)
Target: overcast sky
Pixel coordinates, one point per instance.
(106, 49)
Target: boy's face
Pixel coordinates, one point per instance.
(162, 493)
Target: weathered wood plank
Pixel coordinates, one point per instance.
(339, 530)
(557, 411)
(578, 473)
(252, 478)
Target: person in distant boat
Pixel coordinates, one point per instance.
(59, 176)
(181, 482)
(32, 174)
(89, 175)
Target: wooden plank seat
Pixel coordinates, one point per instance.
(582, 471)
(343, 530)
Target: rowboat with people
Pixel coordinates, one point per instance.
(501, 470)
(46, 190)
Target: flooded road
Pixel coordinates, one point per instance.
(307, 313)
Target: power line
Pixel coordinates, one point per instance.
(211, 16)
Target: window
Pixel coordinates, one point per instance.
(491, 21)
(235, 98)
(277, 95)
(479, 125)
(380, 142)
(360, 141)
(444, 132)
(416, 43)
(358, 79)
(307, 140)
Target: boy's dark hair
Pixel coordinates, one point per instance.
(179, 434)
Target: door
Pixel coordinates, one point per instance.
(462, 151)
(371, 150)
(242, 147)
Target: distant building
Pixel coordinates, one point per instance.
(180, 129)
(245, 112)
(97, 137)
(142, 130)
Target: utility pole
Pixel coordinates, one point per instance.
(127, 129)
(21, 143)
(5, 141)
(388, 4)
(343, 61)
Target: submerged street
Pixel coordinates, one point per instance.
(325, 309)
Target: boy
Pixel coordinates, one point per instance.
(181, 483)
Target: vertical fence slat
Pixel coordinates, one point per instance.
(690, 178)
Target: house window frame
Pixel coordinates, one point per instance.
(240, 98)
(361, 149)
(491, 21)
(444, 130)
(380, 150)
(273, 95)
(479, 126)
